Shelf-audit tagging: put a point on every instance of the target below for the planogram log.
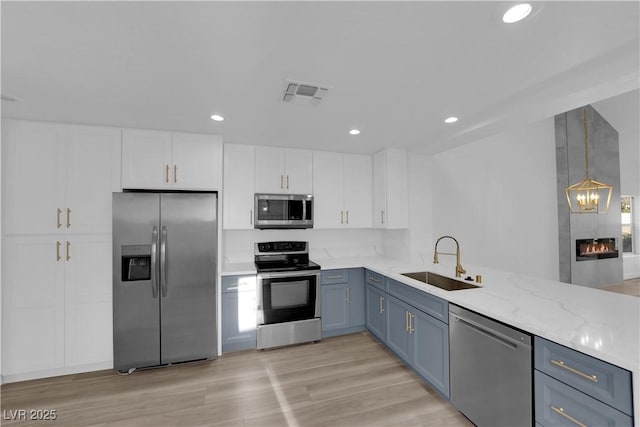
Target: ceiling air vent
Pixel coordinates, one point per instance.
(304, 93)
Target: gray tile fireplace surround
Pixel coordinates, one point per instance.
(604, 166)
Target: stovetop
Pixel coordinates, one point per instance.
(283, 256)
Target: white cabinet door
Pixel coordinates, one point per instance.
(379, 190)
(328, 207)
(34, 181)
(298, 171)
(33, 304)
(146, 159)
(238, 195)
(197, 162)
(269, 176)
(397, 189)
(88, 296)
(390, 189)
(280, 170)
(93, 173)
(358, 190)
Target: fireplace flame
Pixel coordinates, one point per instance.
(596, 248)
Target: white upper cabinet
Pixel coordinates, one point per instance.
(165, 160)
(342, 186)
(59, 178)
(283, 170)
(238, 195)
(358, 190)
(328, 195)
(197, 161)
(390, 189)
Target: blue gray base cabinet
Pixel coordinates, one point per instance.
(238, 313)
(413, 325)
(375, 311)
(343, 301)
(572, 388)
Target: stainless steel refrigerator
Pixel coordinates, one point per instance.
(164, 278)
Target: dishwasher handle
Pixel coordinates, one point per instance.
(491, 333)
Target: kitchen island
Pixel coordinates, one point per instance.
(600, 324)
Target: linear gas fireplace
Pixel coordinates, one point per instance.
(593, 249)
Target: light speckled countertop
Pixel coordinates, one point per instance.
(602, 324)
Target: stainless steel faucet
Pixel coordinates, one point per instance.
(459, 270)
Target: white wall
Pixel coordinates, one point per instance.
(497, 196)
(622, 112)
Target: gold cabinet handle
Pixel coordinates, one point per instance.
(347, 296)
(281, 182)
(58, 213)
(166, 174)
(335, 276)
(58, 244)
(68, 250)
(411, 316)
(381, 305)
(287, 182)
(560, 411)
(68, 217)
(347, 217)
(561, 364)
(382, 216)
(406, 321)
(175, 174)
(250, 216)
(373, 279)
(341, 217)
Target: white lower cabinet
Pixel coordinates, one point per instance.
(88, 300)
(33, 305)
(56, 302)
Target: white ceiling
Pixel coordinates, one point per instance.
(395, 70)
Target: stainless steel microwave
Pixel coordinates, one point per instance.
(283, 211)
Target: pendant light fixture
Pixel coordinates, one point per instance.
(588, 196)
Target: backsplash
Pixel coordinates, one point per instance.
(237, 245)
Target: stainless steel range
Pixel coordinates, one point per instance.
(288, 294)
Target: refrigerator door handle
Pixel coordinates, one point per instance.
(163, 260)
(154, 257)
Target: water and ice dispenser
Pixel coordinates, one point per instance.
(136, 262)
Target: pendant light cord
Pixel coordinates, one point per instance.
(586, 143)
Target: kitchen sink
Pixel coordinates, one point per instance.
(441, 282)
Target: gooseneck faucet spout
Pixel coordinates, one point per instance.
(459, 270)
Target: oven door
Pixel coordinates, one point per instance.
(288, 296)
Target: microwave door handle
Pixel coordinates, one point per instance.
(154, 257)
(163, 261)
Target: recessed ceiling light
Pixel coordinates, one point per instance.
(516, 13)
(217, 117)
(451, 119)
(354, 132)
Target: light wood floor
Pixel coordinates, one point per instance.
(344, 381)
(628, 287)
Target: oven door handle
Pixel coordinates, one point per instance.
(281, 274)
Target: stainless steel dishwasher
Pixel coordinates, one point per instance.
(490, 370)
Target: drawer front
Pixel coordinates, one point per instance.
(430, 304)
(330, 277)
(238, 283)
(557, 404)
(601, 380)
(375, 279)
